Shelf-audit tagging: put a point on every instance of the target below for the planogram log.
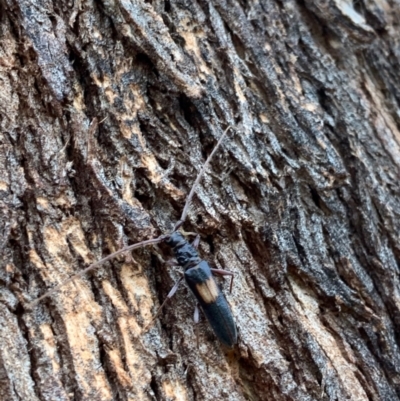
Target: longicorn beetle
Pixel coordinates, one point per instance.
(198, 274)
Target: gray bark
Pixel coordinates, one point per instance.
(302, 203)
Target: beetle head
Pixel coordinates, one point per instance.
(174, 239)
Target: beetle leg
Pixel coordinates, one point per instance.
(172, 262)
(186, 233)
(222, 272)
(196, 318)
(169, 296)
(196, 242)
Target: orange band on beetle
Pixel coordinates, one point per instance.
(208, 291)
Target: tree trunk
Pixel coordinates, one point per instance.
(301, 203)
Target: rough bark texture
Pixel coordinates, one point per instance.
(302, 203)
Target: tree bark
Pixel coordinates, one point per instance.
(301, 203)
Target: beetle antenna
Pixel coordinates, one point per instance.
(153, 241)
(199, 177)
(95, 265)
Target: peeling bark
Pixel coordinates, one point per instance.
(302, 203)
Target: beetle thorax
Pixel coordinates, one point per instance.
(185, 253)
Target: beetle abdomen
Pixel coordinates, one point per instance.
(220, 317)
(213, 302)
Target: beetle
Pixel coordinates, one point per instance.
(197, 272)
(199, 278)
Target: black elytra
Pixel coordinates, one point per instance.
(201, 282)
